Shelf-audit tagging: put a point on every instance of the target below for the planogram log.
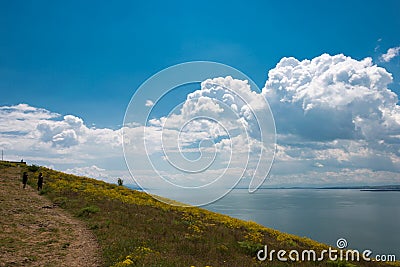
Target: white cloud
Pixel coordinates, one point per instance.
(337, 121)
(66, 138)
(218, 129)
(47, 138)
(335, 112)
(390, 54)
(149, 103)
(92, 171)
(333, 97)
(22, 118)
(110, 176)
(343, 177)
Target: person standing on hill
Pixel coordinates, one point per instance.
(40, 182)
(24, 179)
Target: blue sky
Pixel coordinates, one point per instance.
(329, 70)
(87, 58)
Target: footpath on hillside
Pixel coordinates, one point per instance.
(34, 232)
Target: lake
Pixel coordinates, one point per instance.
(367, 220)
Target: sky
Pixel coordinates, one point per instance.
(330, 72)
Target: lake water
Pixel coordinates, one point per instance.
(367, 220)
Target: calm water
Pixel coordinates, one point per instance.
(367, 220)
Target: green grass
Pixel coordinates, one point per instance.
(134, 229)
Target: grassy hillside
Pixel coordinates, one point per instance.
(133, 229)
(36, 233)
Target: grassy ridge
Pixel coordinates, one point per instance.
(134, 229)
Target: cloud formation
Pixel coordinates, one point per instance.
(217, 129)
(337, 122)
(390, 54)
(334, 112)
(333, 97)
(149, 103)
(47, 138)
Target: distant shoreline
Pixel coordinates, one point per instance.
(378, 188)
(381, 190)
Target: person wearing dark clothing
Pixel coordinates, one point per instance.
(25, 179)
(40, 182)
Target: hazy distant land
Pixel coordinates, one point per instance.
(377, 188)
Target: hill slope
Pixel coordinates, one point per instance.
(133, 229)
(33, 232)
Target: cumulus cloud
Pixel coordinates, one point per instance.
(22, 118)
(390, 54)
(333, 112)
(333, 97)
(218, 129)
(337, 122)
(61, 133)
(90, 171)
(110, 176)
(48, 138)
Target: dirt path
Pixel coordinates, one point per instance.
(35, 233)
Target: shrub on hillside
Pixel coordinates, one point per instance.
(33, 168)
(87, 211)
